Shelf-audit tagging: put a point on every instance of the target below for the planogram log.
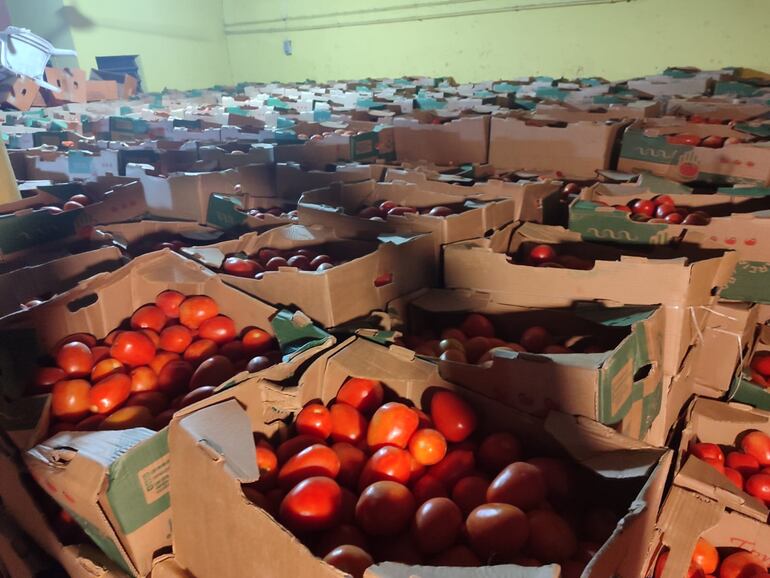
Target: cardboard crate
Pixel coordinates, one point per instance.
(213, 448)
(599, 113)
(67, 166)
(732, 227)
(459, 141)
(20, 94)
(620, 388)
(577, 150)
(715, 108)
(292, 180)
(118, 479)
(744, 388)
(679, 278)
(371, 274)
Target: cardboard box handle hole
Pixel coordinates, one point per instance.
(82, 302)
(642, 372)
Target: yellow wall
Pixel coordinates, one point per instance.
(613, 40)
(180, 42)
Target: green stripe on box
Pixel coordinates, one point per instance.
(750, 282)
(138, 483)
(651, 408)
(652, 149)
(745, 391)
(104, 543)
(223, 211)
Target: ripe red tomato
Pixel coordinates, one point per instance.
(352, 461)
(497, 450)
(70, 399)
(385, 509)
(169, 302)
(132, 348)
(427, 446)
(46, 377)
(758, 486)
(349, 559)
(365, 395)
(175, 338)
(470, 492)
(155, 401)
(757, 444)
(761, 363)
(196, 309)
(312, 505)
(128, 417)
(392, 424)
(542, 254)
(213, 371)
(75, 359)
(314, 420)
(496, 530)
(707, 452)
(387, 463)
(220, 329)
(175, 376)
(741, 564)
(257, 341)
(692, 572)
(519, 484)
(705, 556)
(643, 207)
(452, 416)
(110, 393)
(428, 487)
(551, 538)
(200, 350)
(293, 446)
(458, 463)
(316, 460)
(744, 463)
(477, 325)
(437, 525)
(735, 477)
(106, 367)
(241, 267)
(347, 424)
(143, 378)
(152, 335)
(149, 317)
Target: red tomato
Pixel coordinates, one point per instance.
(392, 424)
(744, 463)
(477, 325)
(470, 492)
(232, 350)
(535, 339)
(761, 363)
(110, 393)
(385, 509)
(452, 416)
(741, 564)
(196, 395)
(155, 401)
(756, 444)
(314, 420)
(293, 446)
(707, 452)
(542, 254)
(46, 377)
(84, 338)
(352, 461)
(316, 460)
(220, 329)
(214, 371)
(496, 530)
(70, 399)
(497, 450)
(427, 446)
(257, 341)
(196, 309)
(339, 536)
(387, 463)
(758, 486)
(169, 302)
(312, 505)
(735, 477)
(347, 424)
(75, 359)
(175, 338)
(349, 559)
(132, 348)
(365, 395)
(458, 463)
(705, 556)
(428, 487)
(127, 418)
(437, 525)
(152, 335)
(143, 378)
(200, 350)
(551, 538)
(106, 367)
(161, 359)
(241, 267)
(149, 317)
(519, 484)
(175, 376)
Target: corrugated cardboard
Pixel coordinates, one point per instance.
(578, 149)
(292, 180)
(20, 94)
(219, 532)
(459, 141)
(621, 387)
(744, 389)
(342, 293)
(71, 81)
(101, 90)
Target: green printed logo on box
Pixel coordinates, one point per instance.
(223, 211)
(750, 282)
(105, 544)
(593, 221)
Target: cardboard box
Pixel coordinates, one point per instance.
(116, 483)
(292, 180)
(620, 387)
(662, 85)
(737, 222)
(577, 149)
(599, 113)
(144, 236)
(54, 277)
(101, 90)
(459, 141)
(20, 94)
(353, 288)
(744, 388)
(71, 81)
(213, 450)
(70, 165)
(533, 200)
(20, 557)
(336, 207)
(724, 109)
(645, 147)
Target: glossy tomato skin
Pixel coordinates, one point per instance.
(149, 317)
(257, 341)
(705, 556)
(437, 525)
(175, 338)
(758, 486)
(315, 420)
(316, 460)
(757, 444)
(452, 416)
(392, 424)
(110, 393)
(458, 463)
(70, 399)
(497, 450)
(741, 564)
(744, 463)
(200, 350)
(75, 359)
(169, 302)
(350, 559)
(155, 401)
(366, 395)
(132, 348)
(387, 463)
(196, 309)
(312, 505)
(46, 377)
(127, 418)
(352, 462)
(519, 484)
(175, 376)
(428, 487)
(385, 509)
(496, 530)
(106, 367)
(707, 452)
(347, 424)
(213, 371)
(220, 329)
(551, 539)
(470, 492)
(293, 446)
(143, 378)
(427, 446)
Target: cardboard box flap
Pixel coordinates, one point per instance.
(395, 570)
(220, 432)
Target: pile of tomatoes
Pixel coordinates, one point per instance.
(75, 202)
(269, 259)
(706, 562)
(693, 140)
(543, 255)
(476, 340)
(381, 211)
(365, 479)
(169, 354)
(662, 209)
(747, 465)
(760, 368)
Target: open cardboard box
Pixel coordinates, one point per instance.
(71, 82)
(368, 144)
(370, 273)
(716, 108)
(141, 237)
(67, 166)
(645, 147)
(224, 158)
(597, 112)
(744, 389)
(533, 200)
(738, 222)
(678, 277)
(20, 94)
(577, 149)
(116, 482)
(291, 180)
(620, 387)
(336, 207)
(462, 140)
(218, 532)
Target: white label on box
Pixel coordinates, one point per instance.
(154, 479)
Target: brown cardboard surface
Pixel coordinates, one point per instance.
(21, 94)
(464, 140)
(578, 149)
(567, 113)
(342, 293)
(71, 81)
(141, 236)
(213, 448)
(292, 180)
(715, 108)
(101, 90)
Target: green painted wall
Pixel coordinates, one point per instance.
(612, 40)
(180, 42)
